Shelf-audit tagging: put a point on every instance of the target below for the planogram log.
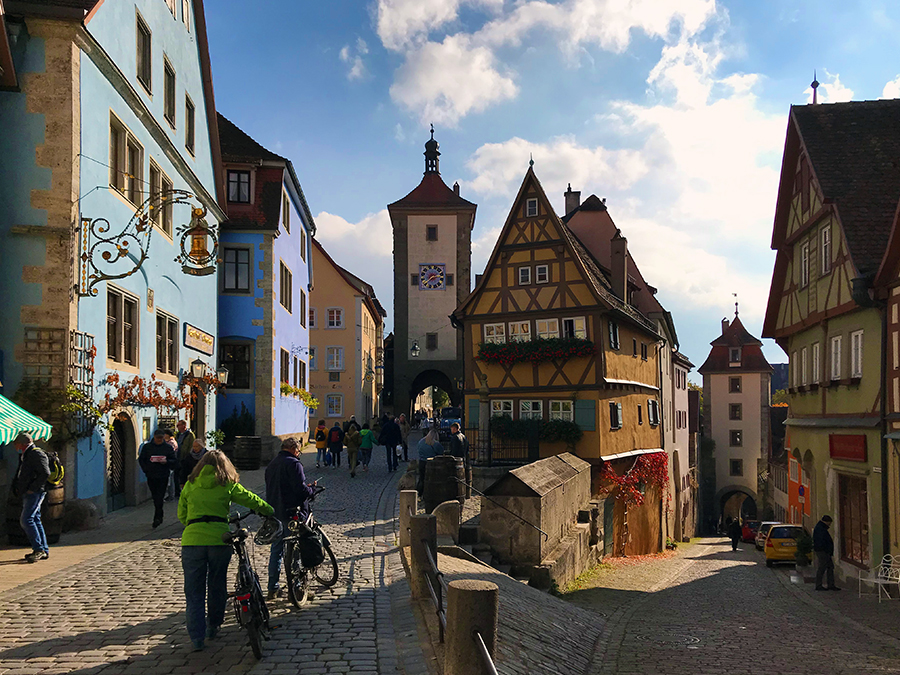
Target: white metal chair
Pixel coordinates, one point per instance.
(886, 574)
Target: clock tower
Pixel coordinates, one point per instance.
(432, 263)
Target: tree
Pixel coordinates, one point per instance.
(780, 396)
(439, 398)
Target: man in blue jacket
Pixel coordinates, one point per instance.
(823, 545)
(286, 489)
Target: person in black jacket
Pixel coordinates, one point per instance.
(336, 444)
(157, 459)
(286, 489)
(734, 533)
(30, 484)
(823, 545)
(390, 438)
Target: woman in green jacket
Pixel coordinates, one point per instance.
(203, 508)
(366, 443)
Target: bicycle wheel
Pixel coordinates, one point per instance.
(254, 633)
(297, 577)
(327, 572)
(261, 606)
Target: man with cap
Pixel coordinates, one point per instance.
(156, 459)
(823, 545)
(30, 484)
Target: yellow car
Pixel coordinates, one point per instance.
(781, 543)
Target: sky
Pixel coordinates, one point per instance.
(675, 111)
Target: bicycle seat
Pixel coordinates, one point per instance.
(231, 535)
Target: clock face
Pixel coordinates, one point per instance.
(431, 277)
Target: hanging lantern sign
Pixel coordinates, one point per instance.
(199, 245)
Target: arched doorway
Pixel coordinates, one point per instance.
(736, 501)
(433, 378)
(120, 463)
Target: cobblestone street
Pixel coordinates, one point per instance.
(123, 610)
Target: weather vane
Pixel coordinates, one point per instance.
(735, 303)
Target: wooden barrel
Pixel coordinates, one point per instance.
(51, 517)
(441, 485)
(247, 452)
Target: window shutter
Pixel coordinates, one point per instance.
(586, 415)
(612, 338)
(619, 409)
(472, 421)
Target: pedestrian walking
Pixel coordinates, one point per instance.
(405, 428)
(336, 444)
(169, 437)
(286, 489)
(734, 533)
(195, 454)
(157, 459)
(352, 440)
(351, 423)
(427, 448)
(203, 508)
(321, 437)
(390, 439)
(366, 443)
(184, 439)
(30, 484)
(823, 546)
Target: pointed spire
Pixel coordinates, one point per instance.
(815, 86)
(432, 163)
(530, 159)
(735, 304)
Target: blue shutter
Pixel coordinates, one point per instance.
(586, 415)
(472, 421)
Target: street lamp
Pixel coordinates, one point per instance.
(414, 350)
(222, 374)
(198, 369)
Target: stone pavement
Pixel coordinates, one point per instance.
(122, 611)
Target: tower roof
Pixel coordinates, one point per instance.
(735, 335)
(432, 192)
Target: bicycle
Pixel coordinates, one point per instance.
(298, 576)
(250, 607)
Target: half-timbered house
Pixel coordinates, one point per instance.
(837, 200)
(551, 337)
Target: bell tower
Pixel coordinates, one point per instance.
(432, 266)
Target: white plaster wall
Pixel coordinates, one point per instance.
(751, 450)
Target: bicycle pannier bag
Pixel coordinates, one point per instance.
(312, 553)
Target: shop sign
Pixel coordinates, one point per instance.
(848, 447)
(198, 339)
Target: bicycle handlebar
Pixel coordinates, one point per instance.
(237, 517)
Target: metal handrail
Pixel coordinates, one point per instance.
(501, 506)
(436, 591)
(485, 654)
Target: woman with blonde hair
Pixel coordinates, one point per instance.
(428, 447)
(203, 508)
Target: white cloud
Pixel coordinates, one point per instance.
(373, 234)
(441, 82)
(354, 60)
(831, 92)
(402, 24)
(399, 134)
(892, 89)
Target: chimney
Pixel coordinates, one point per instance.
(456, 188)
(724, 326)
(619, 248)
(573, 199)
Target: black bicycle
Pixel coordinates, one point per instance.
(307, 542)
(250, 608)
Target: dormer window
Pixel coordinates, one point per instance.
(734, 356)
(531, 207)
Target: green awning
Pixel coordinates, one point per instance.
(14, 420)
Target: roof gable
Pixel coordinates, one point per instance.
(357, 285)
(432, 192)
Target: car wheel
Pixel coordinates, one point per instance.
(770, 563)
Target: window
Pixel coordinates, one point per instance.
(495, 333)
(236, 357)
(168, 92)
(793, 361)
(735, 467)
(574, 328)
(334, 405)
(735, 411)
(644, 351)
(186, 14)
(524, 276)
(286, 212)
(171, 5)
(166, 344)
(531, 207)
(303, 244)
(615, 415)
(542, 274)
(640, 414)
(825, 247)
(312, 317)
(854, 519)
(239, 187)
(313, 362)
(653, 412)
(501, 408)
(562, 410)
(134, 166)
(431, 233)
(431, 341)
(189, 124)
(450, 279)
(334, 377)
(285, 366)
(144, 55)
(519, 331)
(613, 335)
(531, 410)
(335, 317)
(155, 194)
(804, 366)
(334, 358)
(117, 136)
(414, 280)
(794, 470)
(856, 353)
(121, 327)
(236, 270)
(836, 358)
(547, 329)
(736, 438)
(816, 372)
(296, 372)
(734, 355)
(804, 264)
(634, 347)
(286, 295)
(734, 385)
(302, 308)
(302, 384)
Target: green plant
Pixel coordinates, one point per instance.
(286, 389)
(535, 351)
(238, 424)
(504, 426)
(804, 549)
(561, 430)
(216, 438)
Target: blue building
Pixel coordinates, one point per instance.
(109, 154)
(265, 277)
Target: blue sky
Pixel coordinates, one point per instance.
(673, 110)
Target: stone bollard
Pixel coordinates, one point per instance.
(449, 516)
(408, 502)
(472, 605)
(421, 527)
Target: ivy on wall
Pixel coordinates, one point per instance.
(535, 351)
(650, 469)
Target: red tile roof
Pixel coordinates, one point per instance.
(432, 192)
(735, 335)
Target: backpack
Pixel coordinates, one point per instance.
(335, 436)
(57, 470)
(320, 435)
(312, 553)
(329, 458)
